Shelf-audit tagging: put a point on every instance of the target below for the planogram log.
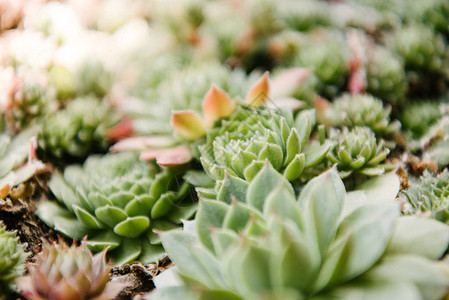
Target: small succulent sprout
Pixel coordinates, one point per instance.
(358, 111)
(357, 151)
(62, 272)
(12, 257)
(241, 145)
(81, 128)
(344, 245)
(430, 196)
(119, 202)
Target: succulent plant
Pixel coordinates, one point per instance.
(433, 13)
(241, 145)
(359, 110)
(79, 129)
(62, 272)
(435, 143)
(326, 53)
(346, 246)
(305, 15)
(430, 195)
(419, 116)
(421, 49)
(358, 151)
(12, 257)
(385, 75)
(118, 202)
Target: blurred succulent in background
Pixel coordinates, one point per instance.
(18, 161)
(79, 129)
(358, 151)
(421, 48)
(419, 116)
(432, 13)
(305, 15)
(62, 272)
(385, 75)
(118, 202)
(327, 55)
(360, 110)
(430, 196)
(435, 143)
(12, 257)
(346, 245)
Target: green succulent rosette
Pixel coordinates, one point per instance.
(419, 116)
(360, 110)
(436, 142)
(429, 196)
(306, 15)
(12, 257)
(266, 244)
(79, 129)
(118, 202)
(358, 151)
(241, 144)
(385, 75)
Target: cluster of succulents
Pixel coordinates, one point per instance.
(224, 135)
(253, 247)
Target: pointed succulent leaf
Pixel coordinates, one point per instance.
(381, 188)
(259, 92)
(188, 124)
(132, 227)
(265, 181)
(293, 146)
(86, 218)
(272, 153)
(210, 215)
(421, 236)
(295, 167)
(253, 169)
(110, 215)
(216, 105)
(322, 201)
(104, 240)
(232, 187)
(163, 205)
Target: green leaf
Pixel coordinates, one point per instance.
(364, 234)
(218, 295)
(110, 215)
(255, 269)
(132, 227)
(210, 215)
(282, 202)
(232, 187)
(86, 218)
(179, 245)
(295, 168)
(237, 217)
(129, 250)
(151, 253)
(182, 211)
(62, 191)
(223, 239)
(322, 201)
(163, 205)
(266, 180)
(421, 236)
(139, 206)
(272, 153)
(121, 199)
(103, 240)
(304, 123)
(316, 153)
(159, 226)
(293, 146)
(198, 178)
(253, 169)
(71, 227)
(381, 188)
(424, 274)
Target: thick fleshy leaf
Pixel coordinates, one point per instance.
(265, 181)
(316, 153)
(210, 215)
(255, 268)
(424, 274)
(151, 253)
(143, 142)
(232, 188)
(253, 169)
(381, 188)
(106, 239)
(237, 217)
(421, 236)
(139, 206)
(295, 167)
(179, 247)
(188, 125)
(282, 202)
(129, 250)
(168, 157)
(216, 105)
(361, 240)
(304, 123)
(272, 153)
(288, 82)
(163, 205)
(293, 146)
(110, 215)
(64, 193)
(259, 93)
(87, 218)
(322, 201)
(224, 239)
(132, 227)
